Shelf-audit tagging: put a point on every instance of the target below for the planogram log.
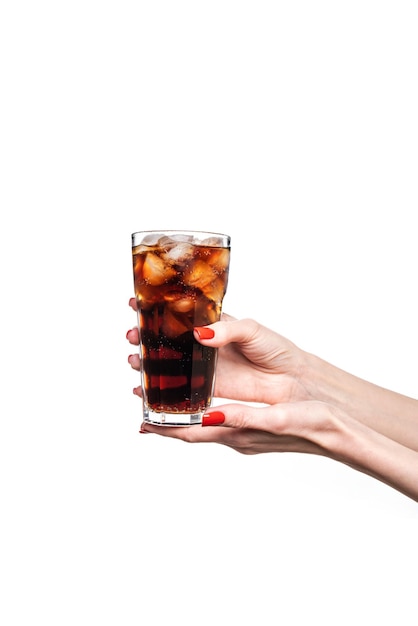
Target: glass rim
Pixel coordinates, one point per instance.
(199, 234)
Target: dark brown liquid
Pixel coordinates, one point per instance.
(176, 292)
(178, 371)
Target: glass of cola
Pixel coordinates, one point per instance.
(180, 279)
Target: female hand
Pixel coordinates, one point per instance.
(311, 406)
(255, 364)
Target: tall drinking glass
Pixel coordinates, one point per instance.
(180, 279)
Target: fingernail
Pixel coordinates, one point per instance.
(204, 332)
(213, 419)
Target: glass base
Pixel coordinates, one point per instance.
(164, 418)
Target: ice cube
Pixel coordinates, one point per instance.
(181, 303)
(165, 242)
(215, 290)
(199, 275)
(219, 259)
(182, 237)
(141, 249)
(138, 261)
(207, 312)
(151, 239)
(168, 241)
(155, 271)
(213, 241)
(173, 326)
(145, 295)
(179, 252)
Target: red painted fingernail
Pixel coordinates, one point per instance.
(213, 419)
(204, 332)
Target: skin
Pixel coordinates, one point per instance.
(304, 404)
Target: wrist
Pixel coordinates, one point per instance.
(325, 382)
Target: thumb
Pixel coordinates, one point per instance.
(297, 419)
(246, 416)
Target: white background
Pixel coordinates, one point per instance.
(292, 126)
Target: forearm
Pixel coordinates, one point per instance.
(370, 452)
(385, 411)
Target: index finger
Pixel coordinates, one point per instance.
(230, 330)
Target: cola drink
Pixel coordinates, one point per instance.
(180, 279)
